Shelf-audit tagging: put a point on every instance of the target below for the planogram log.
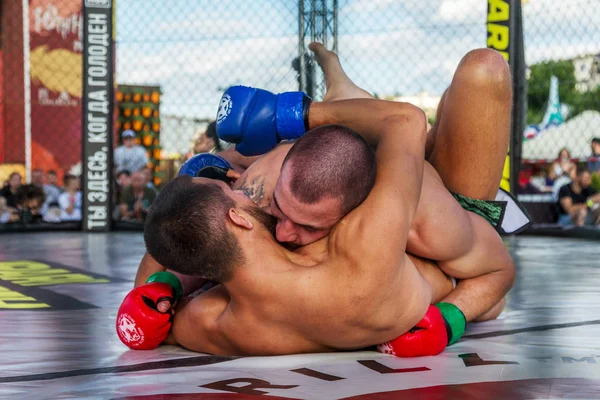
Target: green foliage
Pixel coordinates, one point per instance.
(596, 181)
(538, 87)
(585, 101)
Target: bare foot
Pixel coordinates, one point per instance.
(339, 86)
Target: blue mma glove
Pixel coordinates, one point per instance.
(256, 120)
(206, 165)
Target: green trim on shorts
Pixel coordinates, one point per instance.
(492, 211)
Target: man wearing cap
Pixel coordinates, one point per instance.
(130, 157)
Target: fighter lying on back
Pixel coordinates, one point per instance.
(436, 184)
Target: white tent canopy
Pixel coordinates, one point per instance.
(576, 135)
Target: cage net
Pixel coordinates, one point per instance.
(173, 61)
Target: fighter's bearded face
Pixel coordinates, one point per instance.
(265, 220)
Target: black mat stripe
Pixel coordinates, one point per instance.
(207, 360)
(538, 328)
(56, 301)
(173, 363)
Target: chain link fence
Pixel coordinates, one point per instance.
(174, 60)
(40, 111)
(562, 50)
(190, 52)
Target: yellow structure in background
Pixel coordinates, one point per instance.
(499, 39)
(7, 169)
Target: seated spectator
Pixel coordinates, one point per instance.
(148, 176)
(136, 199)
(123, 180)
(594, 162)
(567, 177)
(9, 192)
(130, 156)
(70, 200)
(37, 177)
(550, 176)
(539, 181)
(7, 214)
(577, 199)
(563, 163)
(52, 192)
(30, 199)
(52, 180)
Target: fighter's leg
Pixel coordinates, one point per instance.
(472, 131)
(339, 86)
(493, 313)
(432, 133)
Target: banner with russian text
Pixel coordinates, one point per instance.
(97, 114)
(55, 59)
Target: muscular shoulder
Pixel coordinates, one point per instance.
(195, 325)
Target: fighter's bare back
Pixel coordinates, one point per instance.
(287, 321)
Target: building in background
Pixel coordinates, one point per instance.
(587, 72)
(425, 101)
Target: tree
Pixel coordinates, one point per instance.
(538, 87)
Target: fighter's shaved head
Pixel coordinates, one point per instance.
(331, 161)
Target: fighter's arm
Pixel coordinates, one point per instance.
(149, 266)
(379, 226)
(486, 271)
(236, 159)
(195, 325)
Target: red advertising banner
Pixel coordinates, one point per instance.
(12, 148)
(56, 29)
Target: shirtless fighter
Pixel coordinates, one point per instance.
(333, 246)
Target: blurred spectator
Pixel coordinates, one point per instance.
(148, 176)
(70, 200)
(123, 180)
(550, 175)
(37, 177)
(9, 192)
(563, 163)
(575, 199)
(594, 163)
(52, 180)
(208, 142)
(30, 199)
(539, 180)
(567, 177)
(136, 198)
(130, 156)
(7, 214)
(52, 192)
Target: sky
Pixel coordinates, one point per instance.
(193, 49)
